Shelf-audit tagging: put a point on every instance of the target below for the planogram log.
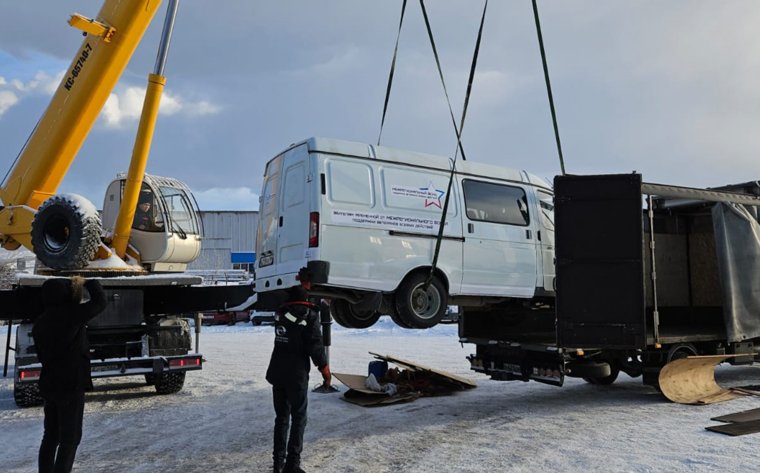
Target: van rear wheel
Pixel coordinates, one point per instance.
(349, 316)
(398, 320)
(421, 307)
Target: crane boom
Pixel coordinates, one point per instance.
(110, 40)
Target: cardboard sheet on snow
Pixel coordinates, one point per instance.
(466, 383)
(359, 394)
(421, 381)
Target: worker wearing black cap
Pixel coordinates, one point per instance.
(144, 218)
(60, 339)
(298, 338)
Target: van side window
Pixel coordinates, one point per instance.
(495, 203)
(350, 183)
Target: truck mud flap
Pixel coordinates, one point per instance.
(692, 381)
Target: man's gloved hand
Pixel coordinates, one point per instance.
(326, 376)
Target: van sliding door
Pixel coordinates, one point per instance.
(499, 247)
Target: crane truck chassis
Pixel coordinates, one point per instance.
(141, 331)
(636, 289)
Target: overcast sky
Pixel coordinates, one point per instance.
(669, 89)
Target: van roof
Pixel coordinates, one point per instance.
(384, 153)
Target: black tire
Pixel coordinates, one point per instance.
(345, 314)
(170, 383)
(680, 351)
(66, 232)
(605, 380)
(256, 322)
(169, 337)
(27, 395)
(398, 320)
(419, 308)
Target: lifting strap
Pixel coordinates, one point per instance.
(548, 87)
(445, 209)
(390, 75)
(440, 74)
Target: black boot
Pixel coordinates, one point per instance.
(292, 468)
(279, 466)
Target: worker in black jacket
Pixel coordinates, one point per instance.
(298, 338)
(60, 339)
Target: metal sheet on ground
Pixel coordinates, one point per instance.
(738, 428)
(692, 381)
(743, 416)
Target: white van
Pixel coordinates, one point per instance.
(365, 220)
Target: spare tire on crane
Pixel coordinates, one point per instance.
(66, 232)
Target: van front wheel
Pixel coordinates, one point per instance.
(418, 306)
(349, 316)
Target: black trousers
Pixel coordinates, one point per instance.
(63, 431)
(290, 406)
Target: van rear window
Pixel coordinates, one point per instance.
(497, 203)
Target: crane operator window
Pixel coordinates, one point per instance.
(180, 211)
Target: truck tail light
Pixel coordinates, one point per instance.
(313, 229)
(181, 363)
(29, 374)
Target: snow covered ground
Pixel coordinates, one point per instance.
(222, 420)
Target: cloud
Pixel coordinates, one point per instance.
(7, 100)
(13, 91)
(125, 106)
(224, 198)
(42, 82)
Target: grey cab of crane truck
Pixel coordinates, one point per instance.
(365, 220)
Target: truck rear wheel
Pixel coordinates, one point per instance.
(345, 314)
(169, 383)
(417, 306)
(66, 232)
(27, 395)
(604, 380)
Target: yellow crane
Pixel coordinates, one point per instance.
(62, 230)
(143, 330)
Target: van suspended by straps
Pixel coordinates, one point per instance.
(365, 220)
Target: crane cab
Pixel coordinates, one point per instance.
(166, 231)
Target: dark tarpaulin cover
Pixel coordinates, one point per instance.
(737, 243)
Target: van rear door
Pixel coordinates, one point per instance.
(284, 215)
(293, 221)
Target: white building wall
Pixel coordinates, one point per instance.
(225, 232)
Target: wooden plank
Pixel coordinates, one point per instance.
(692, 380)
